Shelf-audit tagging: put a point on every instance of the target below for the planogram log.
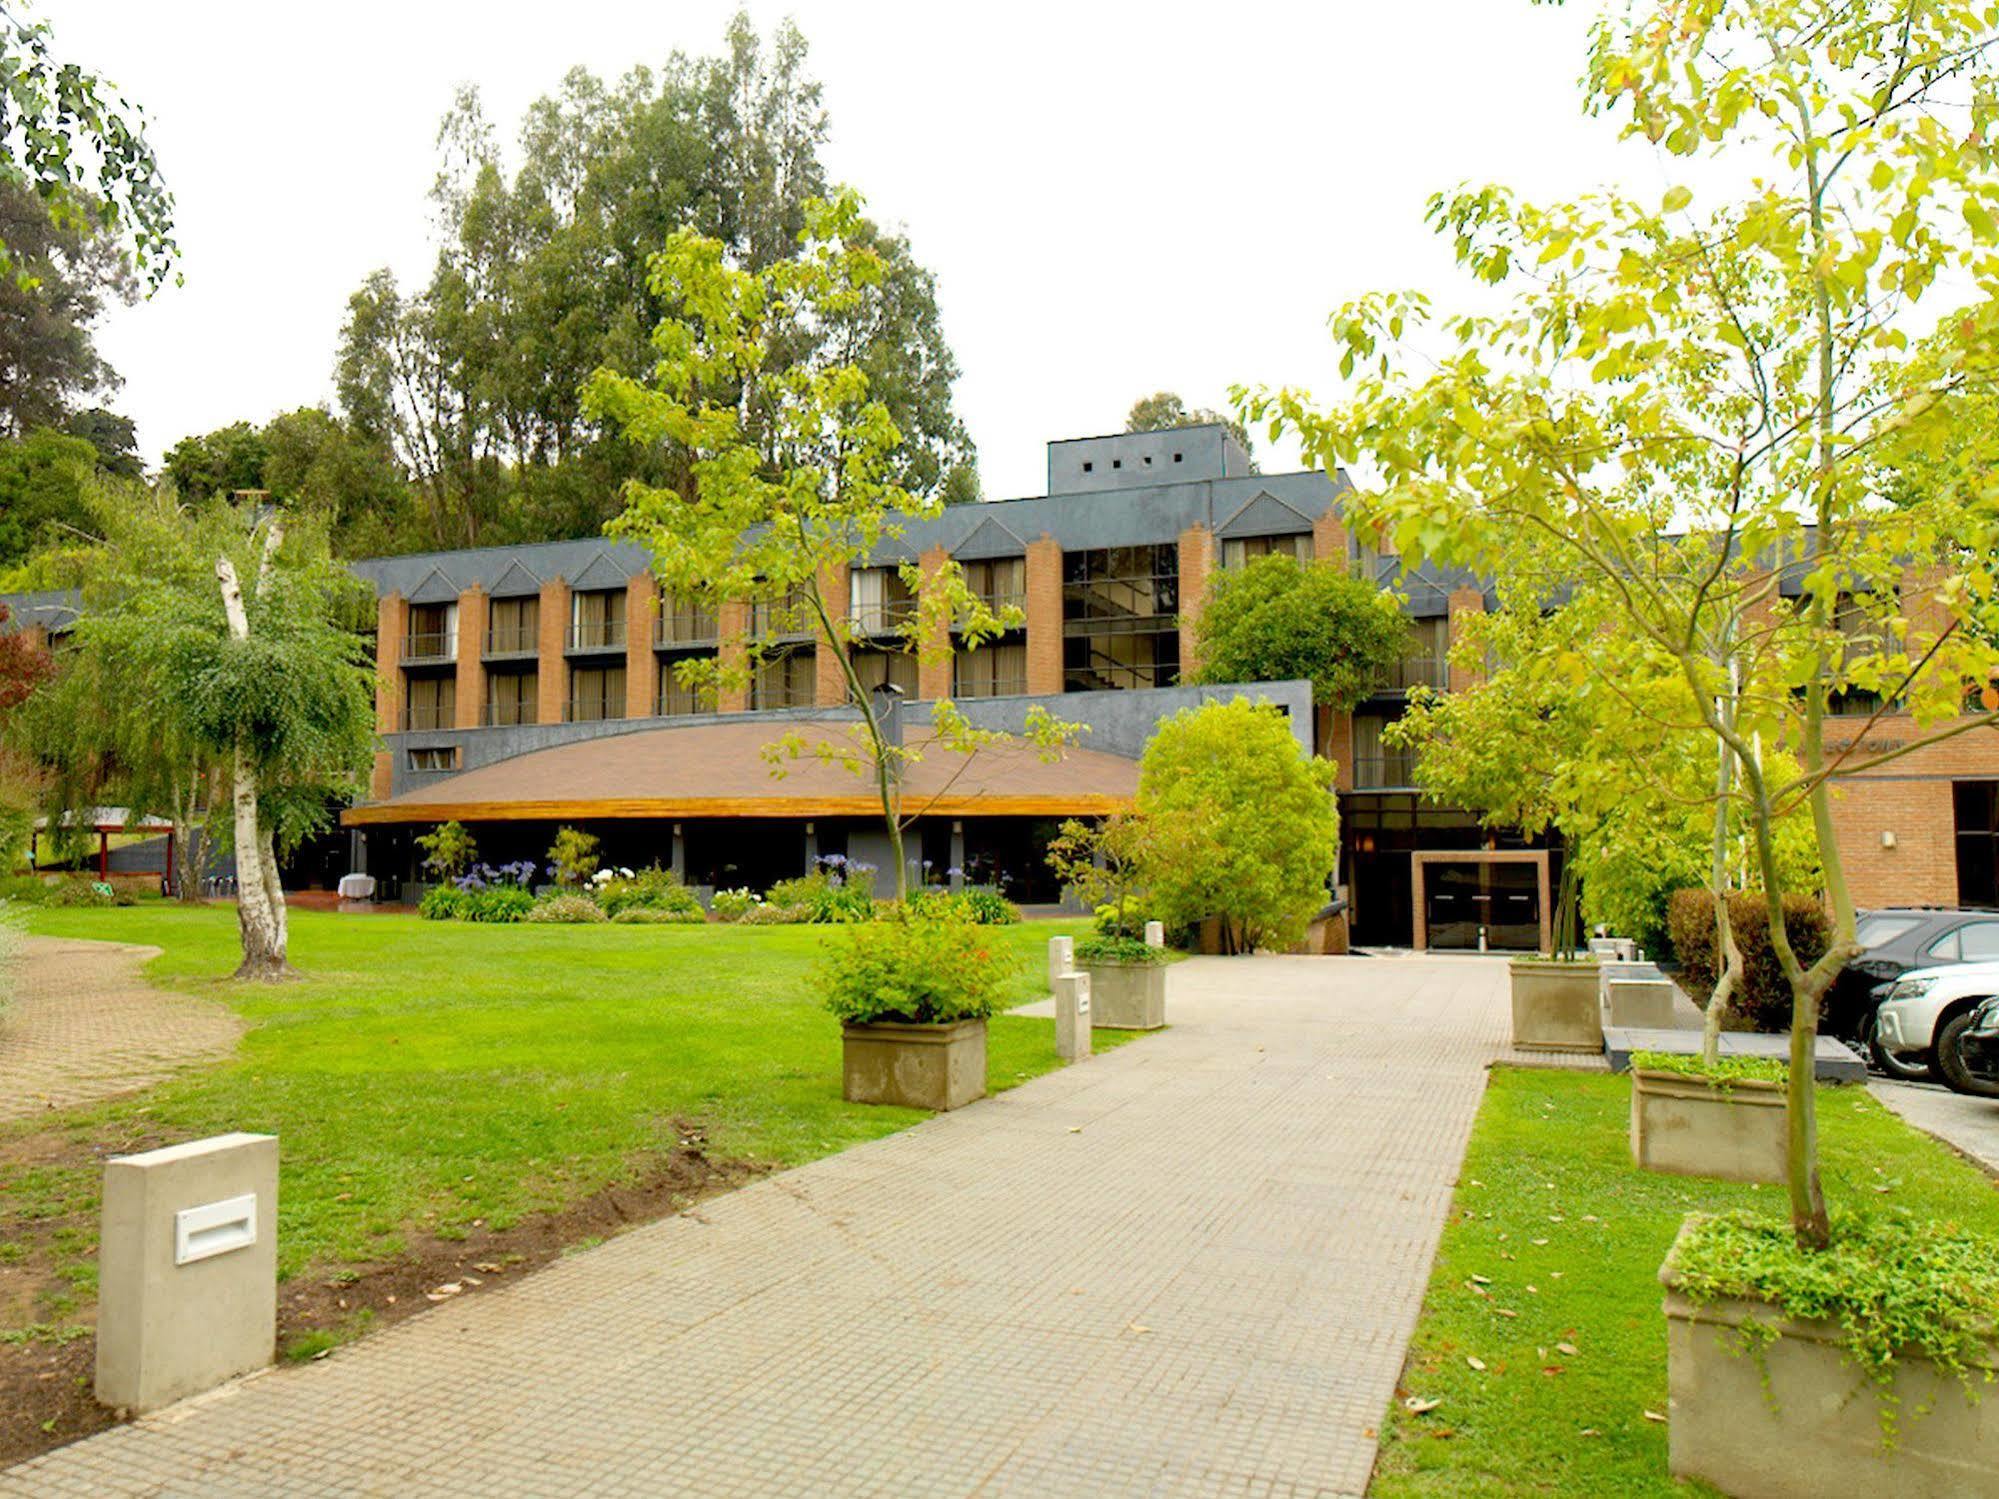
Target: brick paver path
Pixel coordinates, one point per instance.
(84, 1024)
(1189, 1266)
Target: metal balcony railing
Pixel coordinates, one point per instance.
(686, 627)
(513, 640)
(508, 715)
(594, 709)
(604, 635)
(1379, 772)
(675, 701)
(1416, 671)
(430, 716)
(885, 618)
(428, 645)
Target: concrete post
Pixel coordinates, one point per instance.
(187, 1269)
(1061, 958)
(957, 855)
(1155, 934)
(679, 852)
(1072, 1016)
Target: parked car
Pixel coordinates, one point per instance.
(1927, 1015)
(1978, 1047)
(1899, 940)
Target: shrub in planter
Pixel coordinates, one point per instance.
(565, 908)
(1127, 982)
(913, 996)
(1762, 998)
(734, 905)
(1772, 1352)
(1725, 1120)
(656, 916)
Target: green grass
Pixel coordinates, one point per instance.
(1550, 1161)
(426, 1075)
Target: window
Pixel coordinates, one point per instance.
(785, 680)
(1975, 815)
(897, 668)
(1089, 468)
(1176, 457)
(596, 692)
(786, 613)
(993, 670)
(433, 632)
(440, 757)
(513, 697)
(879, 602)
(1376, 764)
(432, 703)
(597, 620)
(515, 627)
(1238, 550)
(1857, 619)
(999, 582)
(1119, 625)
(1978, 942)
(675, 699)
(1880, 930)
(1425, 665)
(683, 622)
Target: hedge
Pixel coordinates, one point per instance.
(1763, 997)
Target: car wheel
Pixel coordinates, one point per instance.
(1915, 1069)
(1950, 1061)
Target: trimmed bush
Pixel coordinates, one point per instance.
(571, 909)
(496, 903)
(915, 970)
(1763, 998)
(826, 895)
(658, 916)
(442, 903)
(652, 889)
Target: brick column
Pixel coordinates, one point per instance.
(552, 667)
(471, 689)
(933, 657)
(732, 623)
(1329, 539)
(829, 682)
(1197, 561)
(1335, 743)
(1044, 615)
(392, 617)
(641, 665)
(1464, 602)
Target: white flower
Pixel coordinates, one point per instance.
(601, 877)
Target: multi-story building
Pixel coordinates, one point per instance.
(524, 688)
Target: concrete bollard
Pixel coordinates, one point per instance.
(187, 1291)
(1061, 958)
(1072, 1016)
(1155, 934)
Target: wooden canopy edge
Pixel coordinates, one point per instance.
(610, 809)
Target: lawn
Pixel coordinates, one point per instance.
(429, 1078)
(1554, 1225)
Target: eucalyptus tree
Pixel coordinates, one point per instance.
(792, 476)
(1759, 375)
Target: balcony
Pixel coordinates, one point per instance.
(515, 640)
(1416, 671)
(785, 619)
(680, 627)
(675, 701)
(508, 715)
(429, 716)
(603, 635)
(424, 647)
(592, 710)
(1384, 772)
(999, 603)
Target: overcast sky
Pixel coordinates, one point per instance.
(1115, 199)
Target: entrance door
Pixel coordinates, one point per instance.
(1501, 899)
(1976, 804)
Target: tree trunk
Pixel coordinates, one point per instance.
(1724, 928)
(260, 899)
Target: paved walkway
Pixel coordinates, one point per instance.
(84, 1025)
(1190, 1266)
(1969, 1124)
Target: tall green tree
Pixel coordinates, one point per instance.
(1275, 620)
(794, 465)
(1746, 375)
(65, 270)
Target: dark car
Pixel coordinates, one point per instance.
(1978, 1046)
(1898, 939)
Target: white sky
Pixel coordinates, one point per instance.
(1115, 198)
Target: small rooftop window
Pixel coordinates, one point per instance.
(1176, 457)
(1148, 460)
(1117, 463)
(1088, 467)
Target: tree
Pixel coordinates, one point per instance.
(1163, 409)
(80, 150)
(64, 268)
(448, 850)
(210, 653)
(542, 277)
(1107, 863)
(218, 465)
(113, 436)
(45, 478)
(314, 465)
(1276, 620)
(1747, 376)
(793, 475)
(1244, 824)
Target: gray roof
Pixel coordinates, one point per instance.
(54, 609)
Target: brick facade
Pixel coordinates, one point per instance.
(1329, 539)
(1908, 801)
(933, 656)
(552, 631)
(829, 682)
(732, 623)
(469, 695)
(1463, 602)
(641, 664)
(1044, 615)
(1197, 562)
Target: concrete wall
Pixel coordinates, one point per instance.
(1088, 465)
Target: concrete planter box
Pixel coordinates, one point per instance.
(934, 1067)
(1555, 1006)
(1795, 1420)
(1638, 1003)
(1685, 1127)
(1127, 996)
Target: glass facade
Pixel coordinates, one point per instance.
(1238, 550)
(1120, 608)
